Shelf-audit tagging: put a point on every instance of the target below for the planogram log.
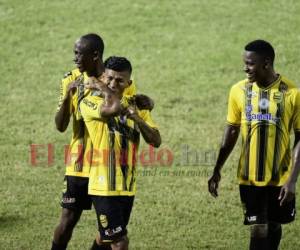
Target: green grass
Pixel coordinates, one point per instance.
(185, 55)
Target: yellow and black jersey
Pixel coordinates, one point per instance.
(77, 158)
(115, 144)
(266, 117)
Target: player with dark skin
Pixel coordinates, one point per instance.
(258, 69)
(89, 61)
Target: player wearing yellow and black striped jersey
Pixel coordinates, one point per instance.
(265, 108)
(114, 128)
(88, 51)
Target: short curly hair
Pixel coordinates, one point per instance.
(262, 48)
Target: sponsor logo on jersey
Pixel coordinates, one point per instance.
(90, 104)
(260, 117)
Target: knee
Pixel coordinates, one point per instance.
(69, 219)
(121, 243)
(259, 231)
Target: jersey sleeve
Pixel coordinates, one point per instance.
(296, 115)
(63, 90)
(234, 111)
(146, 116)
(90, 108)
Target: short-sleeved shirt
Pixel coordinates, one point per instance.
(76, 158)
(115, 144)
(266, 117)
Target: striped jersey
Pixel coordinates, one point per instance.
(266, 117)
(77, 158)
(115, 144)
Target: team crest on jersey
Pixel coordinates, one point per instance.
(103, 220)
(264, 103)
(277, 97)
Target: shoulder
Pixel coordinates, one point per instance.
(70, 76)
(92, 101)
(240, 87)
(288, 85)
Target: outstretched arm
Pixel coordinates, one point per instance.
(230, 137)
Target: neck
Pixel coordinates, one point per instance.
(269, 79)
(97, 71)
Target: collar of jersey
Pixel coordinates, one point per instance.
(271, 85)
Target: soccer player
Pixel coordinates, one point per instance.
(114, 127)
(88, 52)
(265, 107)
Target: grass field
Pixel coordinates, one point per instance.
(185, 55)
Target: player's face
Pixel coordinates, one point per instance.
(117, 81)
(83, 56)
(254, 66)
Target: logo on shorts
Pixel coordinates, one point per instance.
(251, 218)
(111, 232)
(66, 200)
(293, 213)
(103, 220)
(65, 186)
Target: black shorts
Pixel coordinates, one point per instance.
(261, 205)
(113, 214)
(75, 194)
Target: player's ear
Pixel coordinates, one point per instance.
(267, 63)
(95, 55)
(129, 82)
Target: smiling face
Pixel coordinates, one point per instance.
(84, 57)
(117, 81)
(256, 66)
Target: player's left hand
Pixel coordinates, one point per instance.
(131, 113)
(213, 183)
(287, 192)
(144, 102)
